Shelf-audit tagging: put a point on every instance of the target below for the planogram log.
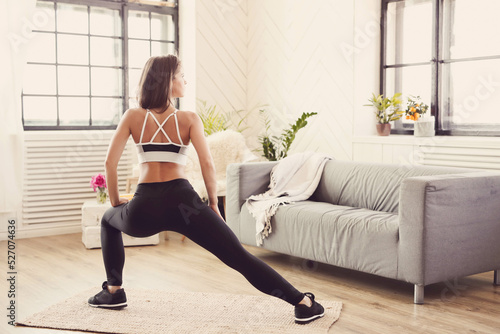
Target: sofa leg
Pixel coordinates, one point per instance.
(496, 277)
(419, 294)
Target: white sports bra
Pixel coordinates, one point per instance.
(163, 152)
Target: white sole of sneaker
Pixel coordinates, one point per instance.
(109, 305)
(306, 320)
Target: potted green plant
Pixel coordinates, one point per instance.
(387, 111)
(215, 120)
(275, 148)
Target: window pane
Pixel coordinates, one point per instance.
(105, 22)
(409, 32)
(474, 94)
(162, 27)
(161, 49)
(473, 29)
(105, 51)
(106, 111)
(138, 52)
(72, 49)
(106, 82)
(134, 77)
(138, 24)
(73, 80)
(40, 110)
(72, 18)
(74, 111)
(39, 79)
(413, 80)
(44, 16)
(42, 48)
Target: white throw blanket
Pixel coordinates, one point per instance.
(293, 179)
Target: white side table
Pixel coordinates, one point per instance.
(92, 213)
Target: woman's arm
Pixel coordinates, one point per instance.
(196, 133)
(115, 150)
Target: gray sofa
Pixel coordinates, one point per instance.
(417, 224)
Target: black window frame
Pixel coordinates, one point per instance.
(123, 6)
(436, 62)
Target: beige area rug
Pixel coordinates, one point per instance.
(157, 312)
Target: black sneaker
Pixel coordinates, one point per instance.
(305, 314)
(107, 299)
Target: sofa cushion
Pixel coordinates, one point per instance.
(353, 238)
(368, 185)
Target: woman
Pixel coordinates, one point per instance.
(164, 199)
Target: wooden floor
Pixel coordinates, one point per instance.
(53, 268)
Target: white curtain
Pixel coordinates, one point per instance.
(16, 22)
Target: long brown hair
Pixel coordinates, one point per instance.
(154, 87)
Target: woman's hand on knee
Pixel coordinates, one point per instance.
(215, 208)
(121, 201)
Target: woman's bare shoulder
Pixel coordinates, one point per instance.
(135, 111)
(188, 115)
(133, 115)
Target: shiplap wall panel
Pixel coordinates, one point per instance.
(291, 62)
(222, 53)
(297, 45)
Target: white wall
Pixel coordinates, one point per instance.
(366, 48)
(187, 51)
(221, 53)
(297, 66)
(290, 57)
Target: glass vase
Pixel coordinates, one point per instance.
(102, 195)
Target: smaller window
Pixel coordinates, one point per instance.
(444, 51)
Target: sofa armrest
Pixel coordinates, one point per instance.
(244, 180)
(449, 226)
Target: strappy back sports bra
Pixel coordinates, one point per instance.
(163, 152)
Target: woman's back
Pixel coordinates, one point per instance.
(161, 151)
(177, 128)
(151, 127)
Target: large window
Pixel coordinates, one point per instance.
(448, 53)
(85, 59)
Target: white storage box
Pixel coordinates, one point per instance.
(92, 213)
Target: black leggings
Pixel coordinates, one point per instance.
(175, 206)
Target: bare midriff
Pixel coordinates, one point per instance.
(160, 172)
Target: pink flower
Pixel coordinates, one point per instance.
(98, 181)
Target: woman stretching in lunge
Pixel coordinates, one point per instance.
(164, 199)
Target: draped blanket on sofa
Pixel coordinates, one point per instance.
(293, 179)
